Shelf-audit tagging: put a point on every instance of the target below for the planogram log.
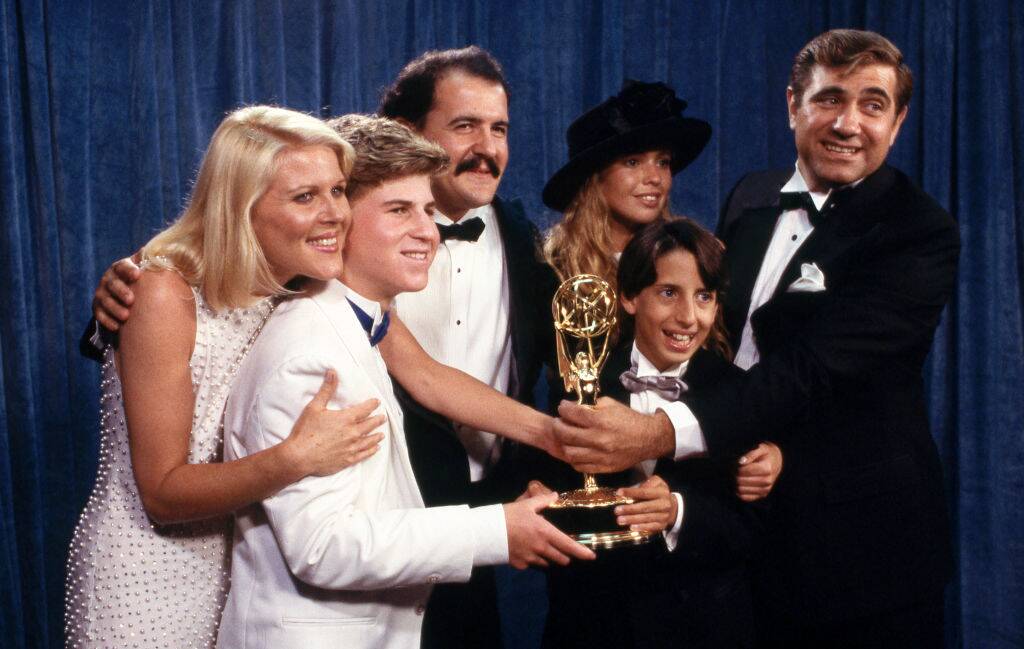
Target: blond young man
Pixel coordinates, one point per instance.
(350, 559)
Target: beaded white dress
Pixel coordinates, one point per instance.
(131, 582)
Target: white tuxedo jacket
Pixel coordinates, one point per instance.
(345, 560)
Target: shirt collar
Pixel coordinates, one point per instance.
(370, 307)
(797, 184)
(645, 367)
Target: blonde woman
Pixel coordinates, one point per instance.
(622, 156)
(148, 563)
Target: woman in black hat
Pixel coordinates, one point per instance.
(622, 156)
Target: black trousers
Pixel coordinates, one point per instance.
(463, 616)
(917, 626)
(638, 598)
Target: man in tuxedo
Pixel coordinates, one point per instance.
(480, 312)
(839, 272)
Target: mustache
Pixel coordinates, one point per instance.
(473, 161)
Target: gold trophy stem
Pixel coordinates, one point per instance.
(584, 310)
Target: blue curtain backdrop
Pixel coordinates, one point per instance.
(105, 108)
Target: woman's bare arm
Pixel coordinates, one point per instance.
(153, 361)
(459, 396)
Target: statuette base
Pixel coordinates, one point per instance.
(588, 517)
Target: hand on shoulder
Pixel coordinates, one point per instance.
(112, 301)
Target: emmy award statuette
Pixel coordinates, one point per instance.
(584, 311)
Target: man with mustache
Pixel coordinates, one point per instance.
(479, 311)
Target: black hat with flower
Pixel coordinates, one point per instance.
(642, 117)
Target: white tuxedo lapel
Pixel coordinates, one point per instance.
(346, 559)
(333, 301)
(366, 363)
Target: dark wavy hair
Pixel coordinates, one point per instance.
(850, 49)
(411, 96)
(638, 267)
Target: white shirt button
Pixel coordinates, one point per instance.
(420, 609)
(433, 579)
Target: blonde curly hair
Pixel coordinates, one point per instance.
(582, 241)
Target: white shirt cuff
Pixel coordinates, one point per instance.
(488, 527)
(689, 437)
(96, 339)
(672, 535)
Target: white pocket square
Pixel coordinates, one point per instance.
(811, 280)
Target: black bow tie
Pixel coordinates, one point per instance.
(468, 230)
(800, 201)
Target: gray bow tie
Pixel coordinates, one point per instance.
(667, 387)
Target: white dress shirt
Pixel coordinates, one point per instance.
(648, 402)
(370, 308)
(791, 230)
(462, 319)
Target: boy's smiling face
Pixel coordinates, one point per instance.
(674, 315)
(392, 240)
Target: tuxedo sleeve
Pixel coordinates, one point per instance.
(875, 324)
(718, 529)
(330, 530)
(93, 340)
(731, 208)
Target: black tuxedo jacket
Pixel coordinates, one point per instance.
(466, 615)
(859, 522)
(697, 596)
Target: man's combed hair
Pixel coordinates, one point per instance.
(385, 150)
(850, 49)
(411, 96)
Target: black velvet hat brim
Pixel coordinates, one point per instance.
(684, 136)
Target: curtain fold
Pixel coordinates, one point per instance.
(106, 108)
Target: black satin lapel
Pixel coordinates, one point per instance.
(859, 209)
(513, 234)
(703, 369)
(745, 253)
(848, 215)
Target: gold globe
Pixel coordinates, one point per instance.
(584, 306)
